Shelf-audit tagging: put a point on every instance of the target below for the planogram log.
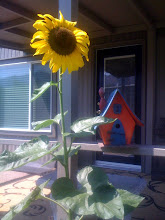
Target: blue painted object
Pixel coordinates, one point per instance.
(118, 133)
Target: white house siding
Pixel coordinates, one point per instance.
(6, 53)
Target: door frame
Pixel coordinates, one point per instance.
(140, 85)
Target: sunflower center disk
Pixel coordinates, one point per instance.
(62, 40)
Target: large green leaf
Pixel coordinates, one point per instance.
(87, 126)
(38, 92)
(130, 200)
(59, 155)
(45, 123)
(34, 195)
(25, 153)
(96, 197)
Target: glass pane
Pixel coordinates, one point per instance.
(14, 96)
(41, 106)
(119, 73)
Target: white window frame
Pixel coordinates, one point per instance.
(29, 129)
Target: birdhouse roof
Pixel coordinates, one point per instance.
(110, 100)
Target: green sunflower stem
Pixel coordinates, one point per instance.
(70, 215)
(63, 126)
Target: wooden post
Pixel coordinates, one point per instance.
(69, 9)
(151, 51)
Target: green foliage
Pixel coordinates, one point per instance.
(130, 200)
(86, 127)
(34, 195)
(96, 196)
(45, 123)
(25, 153)
(59, 155)
(38, 92)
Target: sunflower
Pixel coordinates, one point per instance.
(60, 42)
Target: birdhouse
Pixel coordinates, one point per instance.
(119, 132)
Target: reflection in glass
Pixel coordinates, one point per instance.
(119, 73)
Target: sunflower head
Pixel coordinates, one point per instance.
(60, 42)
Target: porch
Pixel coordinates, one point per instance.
(110, 25)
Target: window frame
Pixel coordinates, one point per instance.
(29, 133)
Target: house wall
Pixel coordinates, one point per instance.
(158, 163)
(159, 111)
(6, 53)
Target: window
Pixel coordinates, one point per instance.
(17, 82)
(119, 73)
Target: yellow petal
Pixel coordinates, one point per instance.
(82, 43)
(42, 49)
(49, 23)
(53, 60)
(69, 64)
(40, 15)
(47, 56)
(61, 17)
(78, 58)
(50, 17)
(84, 39)
(83, 50)
(40, 25)
(69, 25)
(79, 32)
(38, 43)
(83, 53)
(55, 68)
(39, 35)
(58, 59)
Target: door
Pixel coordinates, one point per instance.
(120, 68)
(118, 133)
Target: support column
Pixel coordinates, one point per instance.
(69, 9)
(151, 59)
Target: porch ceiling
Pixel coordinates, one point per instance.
(98, 18)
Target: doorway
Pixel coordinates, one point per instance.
(121, 68)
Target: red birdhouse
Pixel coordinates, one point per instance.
(121, 131)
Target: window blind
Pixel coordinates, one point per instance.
(14, 96)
